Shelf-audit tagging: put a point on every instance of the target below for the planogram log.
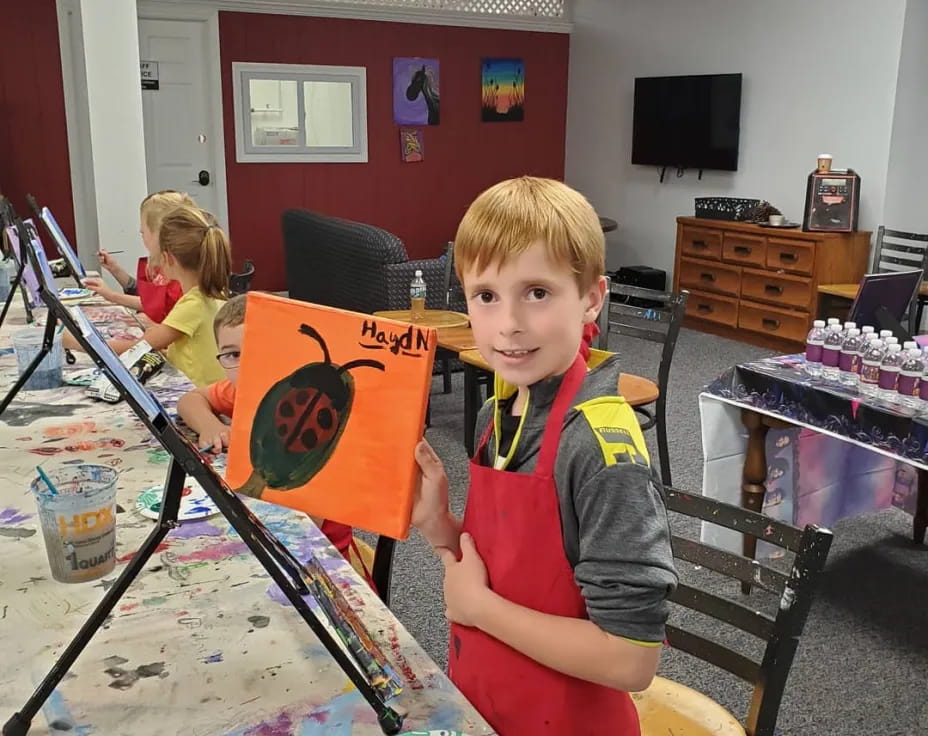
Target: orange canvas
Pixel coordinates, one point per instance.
(329, 408)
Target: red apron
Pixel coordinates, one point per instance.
(515, 521)
(158, 295)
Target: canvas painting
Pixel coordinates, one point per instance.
(328, 425)
(411, 147)
(502, 90)
(415, 91)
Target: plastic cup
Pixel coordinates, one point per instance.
(824, 163)
(79, 522)
(6, 269)
(27, 344)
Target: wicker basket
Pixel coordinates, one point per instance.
(724, 208)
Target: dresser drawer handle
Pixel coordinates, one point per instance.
(704, 308)
(710, 277)
(700, 244)
(789, 257)
(743, 250)
(770, 324)
(773, 289)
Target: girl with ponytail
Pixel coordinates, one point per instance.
(195, 252)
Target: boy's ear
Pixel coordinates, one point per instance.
(596, 295)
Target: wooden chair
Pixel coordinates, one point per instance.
(896, 250)
(624, 314)
(667, 707)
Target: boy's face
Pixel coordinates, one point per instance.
(229, 342)
(528, 316)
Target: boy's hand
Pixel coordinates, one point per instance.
(431, 500)
(217, 439)
(466, 583)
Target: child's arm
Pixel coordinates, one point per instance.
(430, 513)
(196, 411)
(574, 646)
(112, 265)
(158, 336)
(97, 286)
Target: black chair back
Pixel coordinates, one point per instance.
(651, 315)
(780, 632)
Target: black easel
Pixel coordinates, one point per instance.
(289, 574)
(38, 216)
(18, 282)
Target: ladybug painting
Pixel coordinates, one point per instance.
(299, 422)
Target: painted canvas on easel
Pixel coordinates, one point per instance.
(502, 90)
(329, 407)
(416, 99)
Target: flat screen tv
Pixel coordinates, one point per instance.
(690, 122)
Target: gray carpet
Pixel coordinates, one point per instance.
(862, 665)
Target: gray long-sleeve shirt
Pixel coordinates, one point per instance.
(613, 518)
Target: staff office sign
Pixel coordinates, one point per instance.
(149, 74)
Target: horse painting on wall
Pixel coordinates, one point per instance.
(415, 91)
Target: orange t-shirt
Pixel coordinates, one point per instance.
(221, 397)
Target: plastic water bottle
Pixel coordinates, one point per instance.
(908, 345)
(891, 340)
(833, 321)
(923, 392)
(849, 360)
(867, 330)
(849, 326)
(814, 343)
(870, 367)
(417, 291)
(831, 351)
(910, 375)
(885, 333)
(889, 373)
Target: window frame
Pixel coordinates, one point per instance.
(247, 152)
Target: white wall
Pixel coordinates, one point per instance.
(116, 131)
(908, 154)
(818, 77)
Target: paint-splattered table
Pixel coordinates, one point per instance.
(203, 642)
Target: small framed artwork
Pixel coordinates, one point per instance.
(502, 90)
(832, 202)
(411, 147)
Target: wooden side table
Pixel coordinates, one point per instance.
(437, 318)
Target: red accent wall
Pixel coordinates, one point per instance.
(33, 130)
(422, 202)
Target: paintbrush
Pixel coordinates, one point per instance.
(47, 481)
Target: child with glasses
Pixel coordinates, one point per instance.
(202, 408)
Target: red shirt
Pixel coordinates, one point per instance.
(158, 295)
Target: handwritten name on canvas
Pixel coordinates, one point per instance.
(412, 342)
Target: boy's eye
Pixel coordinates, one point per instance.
(538, 293)
(484, 296)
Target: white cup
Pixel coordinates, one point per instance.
(824, 163)
(776, 220)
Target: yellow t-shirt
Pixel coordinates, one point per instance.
(194, 352)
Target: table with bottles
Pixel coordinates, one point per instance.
(820, 439)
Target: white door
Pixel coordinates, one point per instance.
(179, 140)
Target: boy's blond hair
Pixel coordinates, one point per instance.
(230, 314)
(511, 216)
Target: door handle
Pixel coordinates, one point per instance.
(202, 178)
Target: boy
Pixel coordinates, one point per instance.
(556, 580)
(201, 408)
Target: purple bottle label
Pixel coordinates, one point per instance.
(888, 379)
(849, 362)
(830, 357)
(813, 353)
(870, 372)
(907, 385)
(923, 389)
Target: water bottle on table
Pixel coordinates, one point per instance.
(417, 291)
(814, 342)
(889, 373)
(831, 351)
(870, 367)
(910, 375)
(849, 360)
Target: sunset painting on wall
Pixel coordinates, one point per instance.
(502, 90)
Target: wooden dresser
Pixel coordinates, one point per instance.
(758, 284)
